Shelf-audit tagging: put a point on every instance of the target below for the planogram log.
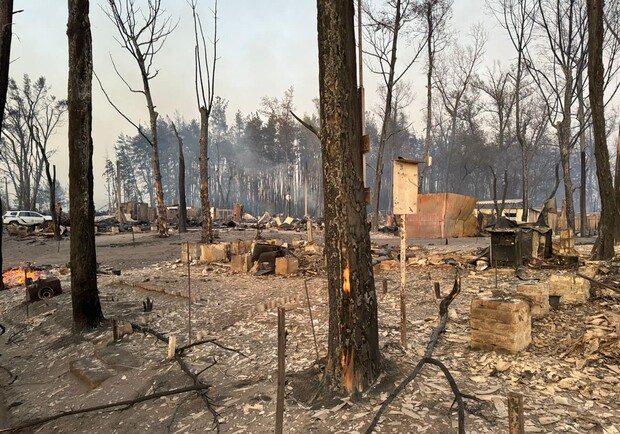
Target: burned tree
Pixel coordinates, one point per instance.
(143, 41)
(435, 15)
(84, 295)
(6, 33)
(353, 342)
(32, 116)
(205, 93)
(604, 246)
(182, 211)
(517, 18)
(453, 77)
(384, 29)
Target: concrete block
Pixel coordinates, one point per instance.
(92, 372)
(241, 263)
(390, 264)
(241, 247)
(570, 289)
(214, 253)
(500, 324)
(194, 252)
(115, 230)
(286, 266)
(538, 294)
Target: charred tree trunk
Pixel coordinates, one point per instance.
(51, 180)
(564, 130)
(387, 116)
(616, 184)
(429, 97)
(182, 203)
(581, 117)
(207, 223)
(6, 32)
(604, 247)
(162, 212)
(84, 294)
(353, 342)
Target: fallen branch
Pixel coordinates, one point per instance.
(178, 356)
(443, 315)
(458, 397)
(604, 285)
(129, 403)
(210, 341)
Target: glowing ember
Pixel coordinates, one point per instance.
(16, 277)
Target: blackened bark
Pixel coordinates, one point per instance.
(84, 295)
(353, 342)
(207, 224)
(604, 247)
(182, 212)
(6, 32)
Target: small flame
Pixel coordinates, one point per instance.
(346, 365)
(17, 277)
(346, 272)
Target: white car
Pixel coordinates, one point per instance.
(25, 218)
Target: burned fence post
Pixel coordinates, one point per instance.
(316, 345)
(281, 369)
(516, 423)
(189, 296)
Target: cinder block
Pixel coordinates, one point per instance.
(313, 249)
(241, 263)
(241, 247)
(194, 252)
(214, 253)
(500, 324)
(390, 264)
(570, 289)
(286, 266)
(538, 294)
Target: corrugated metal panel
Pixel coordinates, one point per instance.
(442, 215)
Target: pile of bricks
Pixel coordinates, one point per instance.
(499, 324)
(570, 289)
(538, 296)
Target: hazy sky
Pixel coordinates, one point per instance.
(264, 48)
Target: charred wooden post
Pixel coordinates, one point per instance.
(403, 281)
(385, 286)
(189, 296)
(516, 422)
(115, 333)
(316, 345)
(281, 369)
(437, 289)
(172, 346)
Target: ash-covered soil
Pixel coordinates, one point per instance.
(568, 376)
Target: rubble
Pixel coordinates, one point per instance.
(568, 374)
